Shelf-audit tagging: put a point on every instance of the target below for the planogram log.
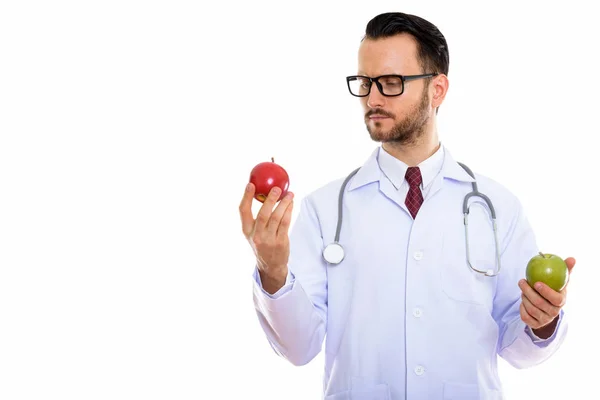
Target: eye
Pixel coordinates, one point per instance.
(391, 81)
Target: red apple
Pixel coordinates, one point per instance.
(266, 176)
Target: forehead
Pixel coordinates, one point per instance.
(392, 55)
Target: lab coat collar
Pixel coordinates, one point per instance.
(452, 170)
(371, 172)
(368, 173)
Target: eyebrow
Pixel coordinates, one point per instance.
(385, 73)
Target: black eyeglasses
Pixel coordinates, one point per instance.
(389, 85)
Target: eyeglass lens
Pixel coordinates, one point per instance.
(391, 85)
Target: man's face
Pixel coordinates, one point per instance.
(399, 119)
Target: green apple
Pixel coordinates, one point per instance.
(549, 269)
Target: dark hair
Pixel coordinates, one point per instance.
(431, 44)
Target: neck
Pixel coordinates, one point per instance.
(414, 153)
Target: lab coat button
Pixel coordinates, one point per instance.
(419, 370)
(418, 255)
(417, 312)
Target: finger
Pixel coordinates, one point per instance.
(278, 213)
(262, 218)
(539, 315)
(284, 226)
(246, 216)
(528, 319)
(535, 298)
(556, 299)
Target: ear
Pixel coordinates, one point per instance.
(440, 87)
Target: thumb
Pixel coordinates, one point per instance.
(245, 208)
(570, 264)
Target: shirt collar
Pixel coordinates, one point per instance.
(395, 170)
(371, 171)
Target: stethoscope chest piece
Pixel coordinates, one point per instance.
(333, 253)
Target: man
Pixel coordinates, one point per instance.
(405, 314)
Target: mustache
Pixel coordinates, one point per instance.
(379, 112)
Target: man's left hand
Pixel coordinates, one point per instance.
(540, 306)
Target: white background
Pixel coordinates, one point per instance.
(127, 133)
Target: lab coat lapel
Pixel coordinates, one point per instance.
(387, 188)
(371, 172)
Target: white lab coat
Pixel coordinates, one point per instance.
(404, 316)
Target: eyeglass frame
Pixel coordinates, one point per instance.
(403, 78)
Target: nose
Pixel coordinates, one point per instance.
(375, 99)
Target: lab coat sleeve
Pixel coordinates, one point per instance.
(294, 318)
(517, 344)
(287, 286)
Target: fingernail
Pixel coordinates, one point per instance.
(538, 286)
(248, 187)
(276, 190)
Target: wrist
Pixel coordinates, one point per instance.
(547, 330)
(273, 279)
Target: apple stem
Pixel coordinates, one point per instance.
(272, 159)
(541, 254)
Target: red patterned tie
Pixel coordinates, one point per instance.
(414, 197)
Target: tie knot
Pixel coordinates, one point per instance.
(413, 176)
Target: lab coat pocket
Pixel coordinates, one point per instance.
(466, 391)
(375, 392)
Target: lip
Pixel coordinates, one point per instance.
(378, 117)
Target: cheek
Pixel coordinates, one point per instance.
(403, 106)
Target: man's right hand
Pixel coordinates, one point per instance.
(268, 235)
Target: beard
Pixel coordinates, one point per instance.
(408, 131)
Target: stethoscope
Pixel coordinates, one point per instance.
(334, 253)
